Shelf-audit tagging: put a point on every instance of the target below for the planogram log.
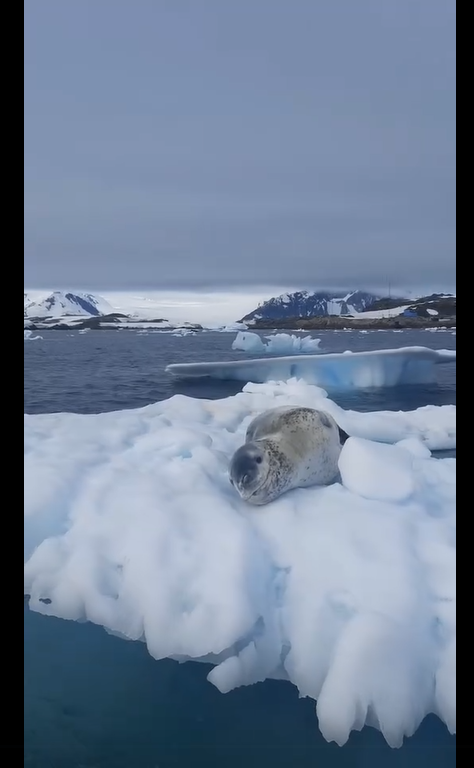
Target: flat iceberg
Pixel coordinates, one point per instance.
(277, 344)
(347, 591)
(346, 370)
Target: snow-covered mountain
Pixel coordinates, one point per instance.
(60, 304)
(311, 304)
(442, 304)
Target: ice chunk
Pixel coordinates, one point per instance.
(277, 344)
(231, 328)
(415, 446)
(28, 335)
(359, 370)
(377, 471)
(347, 591)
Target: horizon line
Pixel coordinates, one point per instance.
(242, 289)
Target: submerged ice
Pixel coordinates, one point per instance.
(347, 591)
(277, 344)
(347, 370)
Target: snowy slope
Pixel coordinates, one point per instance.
(436, 304)
(61, 304)
(311, 304)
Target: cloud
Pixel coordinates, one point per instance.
(207, 145)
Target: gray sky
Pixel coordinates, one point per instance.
(213, 143)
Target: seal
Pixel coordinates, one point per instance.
(285, 448)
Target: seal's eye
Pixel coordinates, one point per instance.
(258, 459)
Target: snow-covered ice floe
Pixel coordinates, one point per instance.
(346, 370)
(347, 591)
(277, 344)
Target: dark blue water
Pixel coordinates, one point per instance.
(92, 700)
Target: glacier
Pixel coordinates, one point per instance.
(346, 370)
(347, 591)
(277, 344)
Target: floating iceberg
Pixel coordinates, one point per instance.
(226, 328)
(347, 591)
(277, 344)
(28, 336)
(183, 332)
(346, 370)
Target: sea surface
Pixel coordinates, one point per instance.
(95, 701)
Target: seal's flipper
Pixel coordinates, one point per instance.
(343, 436)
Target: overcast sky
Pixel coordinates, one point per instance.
(219, 143)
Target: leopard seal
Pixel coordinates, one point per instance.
(285, 448)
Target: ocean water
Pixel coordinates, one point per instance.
(92, 700)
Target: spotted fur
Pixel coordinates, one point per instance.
(286, 447)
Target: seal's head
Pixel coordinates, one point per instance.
(249, 472)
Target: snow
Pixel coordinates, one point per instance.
(166, 325)
(314, 303)
(334, 307)
(347, 591)
(60, 304)
(347, 370)
(432, 311)
(380, 313)
(376, 471)
(28, 336)
(277, 344)
(129, 324)
(213, 310)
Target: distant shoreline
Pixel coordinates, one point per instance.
(332, 323)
